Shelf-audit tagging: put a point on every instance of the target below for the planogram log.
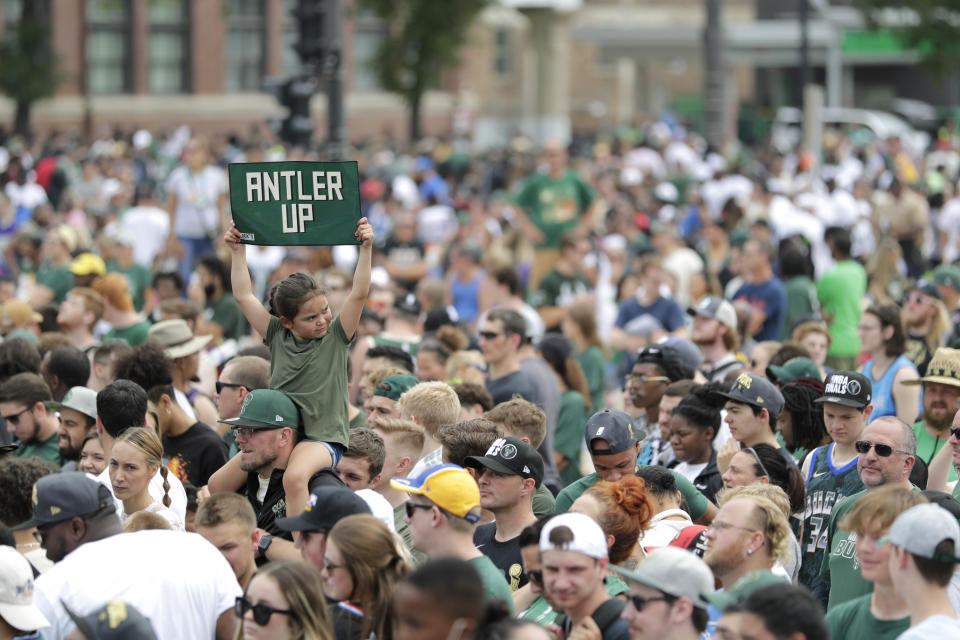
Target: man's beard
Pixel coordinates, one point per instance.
(69, 453)
(938, 425)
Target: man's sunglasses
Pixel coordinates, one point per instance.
(14, 419)
(261, 612)
(413, 506)
(955, 432)
(639, 602)
(883, 450)
(229, 385)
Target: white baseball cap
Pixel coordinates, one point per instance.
(921, 528)
(16, 592)
(588, 538)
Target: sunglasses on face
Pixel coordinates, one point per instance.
(229, 385)
(413, 506)
(955, 432)
(15, 418)
(261, 612)
(639, 602)
(883, 450)
(489, 335)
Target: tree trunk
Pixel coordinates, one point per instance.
(415, 129)
(21, 119)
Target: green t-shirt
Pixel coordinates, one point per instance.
(696, 501)
(59, 279)
(554, 206)
(802, 302)
(139, 279)
(568, 438)
(594, 367)
(543, 501)
(226, 313)
(494, 584)
(313, 373)
(559, 290)
(928, 446)
(853, 621)
(840, 291)
(48, 450)
(841, 567)
(134, 335)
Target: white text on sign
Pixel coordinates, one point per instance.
(268, 186)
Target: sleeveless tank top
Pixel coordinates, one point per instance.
(883, 404)
(466, 296)
(826, 485)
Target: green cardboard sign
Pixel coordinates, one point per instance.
(295, 203)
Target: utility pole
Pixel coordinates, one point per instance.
(332, 71)
(804, 48)
(713, 65)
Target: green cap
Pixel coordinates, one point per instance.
(792, 369)
(394, 386)
(744, 587)
(947, 275)
(266, 409)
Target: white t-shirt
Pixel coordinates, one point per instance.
(197, 195)
(178, 497)
(178, 580)
(157, 507)
(933, 628)
(690, 471)
(147, 228)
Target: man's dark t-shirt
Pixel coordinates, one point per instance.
(274, 503)
(505, 387)
(194, 455)
(504, 555)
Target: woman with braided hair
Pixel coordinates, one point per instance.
(362, 563)
(801, 421)
(134, 460)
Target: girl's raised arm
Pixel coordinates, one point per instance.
(353, 305)
(255, 313)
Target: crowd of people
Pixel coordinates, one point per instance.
(625, 388)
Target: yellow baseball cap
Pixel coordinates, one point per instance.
(449, 486)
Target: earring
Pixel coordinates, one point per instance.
(749, 552)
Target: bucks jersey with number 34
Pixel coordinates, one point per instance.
(826, 485)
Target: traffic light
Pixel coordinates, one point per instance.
(297, 127)
(310, 16)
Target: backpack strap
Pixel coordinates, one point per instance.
(607, 613)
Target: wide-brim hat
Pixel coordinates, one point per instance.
(176, 338)
(944, 368)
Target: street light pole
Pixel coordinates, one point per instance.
(713, 102)
(804, 47)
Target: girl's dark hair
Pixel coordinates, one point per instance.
(806, 418)
(558, 351)
(287, 296)
(889, 316)
(701, 408)
(787, 477)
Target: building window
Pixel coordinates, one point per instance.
(501, 52)
(368, 33)
(167, 47)
(291, 59)
(245, 38)
(108, 47)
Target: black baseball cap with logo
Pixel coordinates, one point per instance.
(756, 391)
(325, 507)
(62, 496)
(510, 456)
(613, 427)
(848, 388)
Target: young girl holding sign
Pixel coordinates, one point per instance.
(308, 361)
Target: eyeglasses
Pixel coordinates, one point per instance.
(723, 526)
(413, 506)
(489, 335)
(536, 577)
(249, 432)
(14, 419)
(639, 602)
(883, 450)
(231, 385)
(756, 457)
(645, 379)
(261, 612)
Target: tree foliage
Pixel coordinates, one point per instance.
(930, 27)
(30, 71)
(423, 40)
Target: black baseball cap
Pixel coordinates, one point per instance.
(325, 507)
(115, 620)
(62, 496)
(756, 391)
(511, 456)
(613, 427)
(849, 388)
